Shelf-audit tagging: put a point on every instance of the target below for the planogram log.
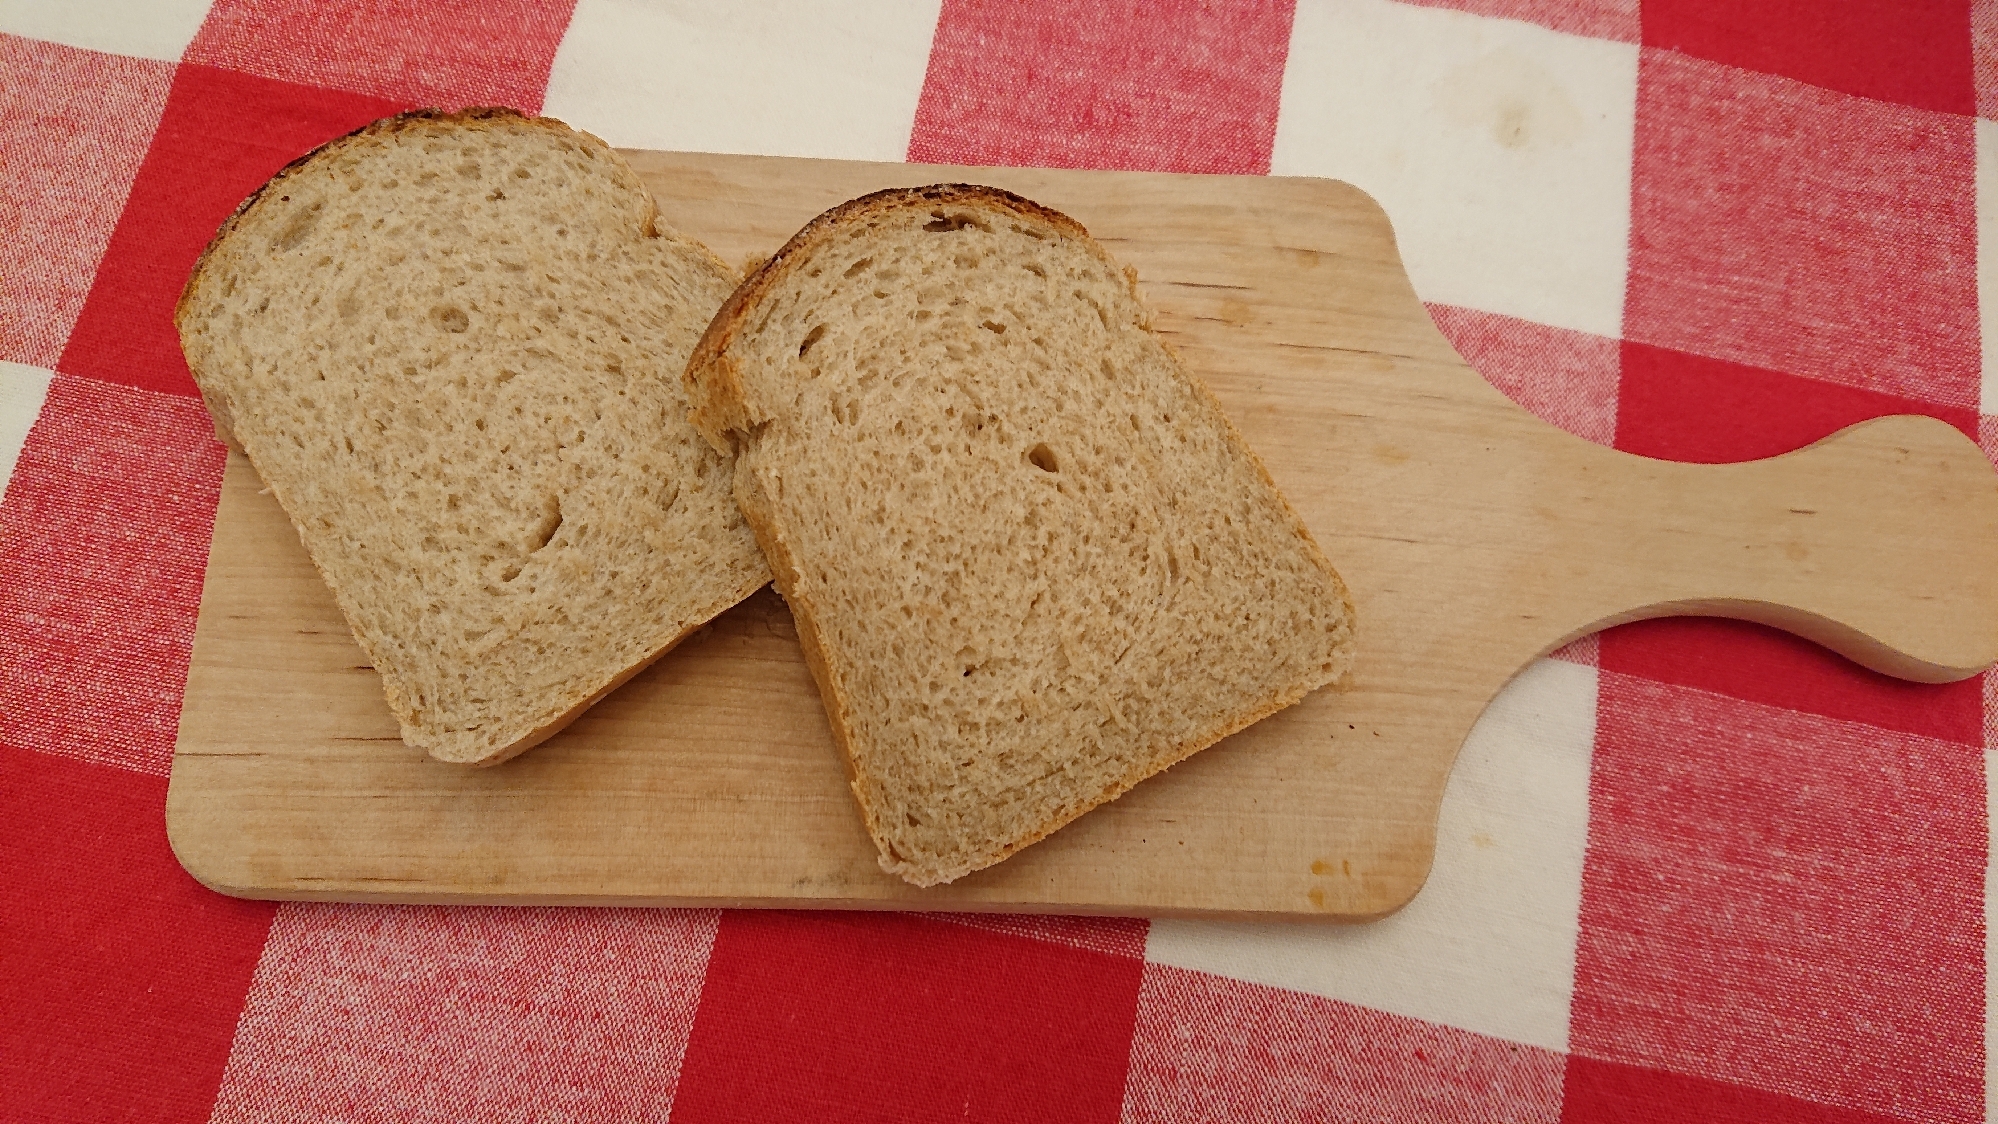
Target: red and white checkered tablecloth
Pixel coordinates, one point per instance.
(1691, 871)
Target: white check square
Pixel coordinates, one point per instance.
(1489, 944)
(772, 78)
(1501, 150)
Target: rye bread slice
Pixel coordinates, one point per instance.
(451, 345)
(1031, 561)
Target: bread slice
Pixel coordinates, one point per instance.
(1031, 561)
(452, 345)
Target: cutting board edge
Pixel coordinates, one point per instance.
(185, 807)
(859, 905)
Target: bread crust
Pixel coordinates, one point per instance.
(475, 117)
(722, 408)
(722, 413)
(221, 412)
(222, 409)
(832, 688)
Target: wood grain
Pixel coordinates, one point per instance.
(1474, 538)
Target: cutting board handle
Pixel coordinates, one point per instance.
(1879, 542)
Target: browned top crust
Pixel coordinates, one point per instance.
(710, 354)
(400, 123)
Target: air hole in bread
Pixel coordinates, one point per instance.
(811, 337)
(856, 267)
(1043, 458)
(450, 318)
(551, 521)
(942, 223)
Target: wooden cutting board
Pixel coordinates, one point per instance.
(1474, 538)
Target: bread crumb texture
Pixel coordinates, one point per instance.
(452, 346)
(1032, 561)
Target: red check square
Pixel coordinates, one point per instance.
(103, 542)
(1795, 229)
(123, 976)
(448, 53)
(834, 1017)
(1563, 377)
(1916, 54)
(1784, 901)
(1600, 1092)
(1183, 86)
(1214, 1049)
(75, 130)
